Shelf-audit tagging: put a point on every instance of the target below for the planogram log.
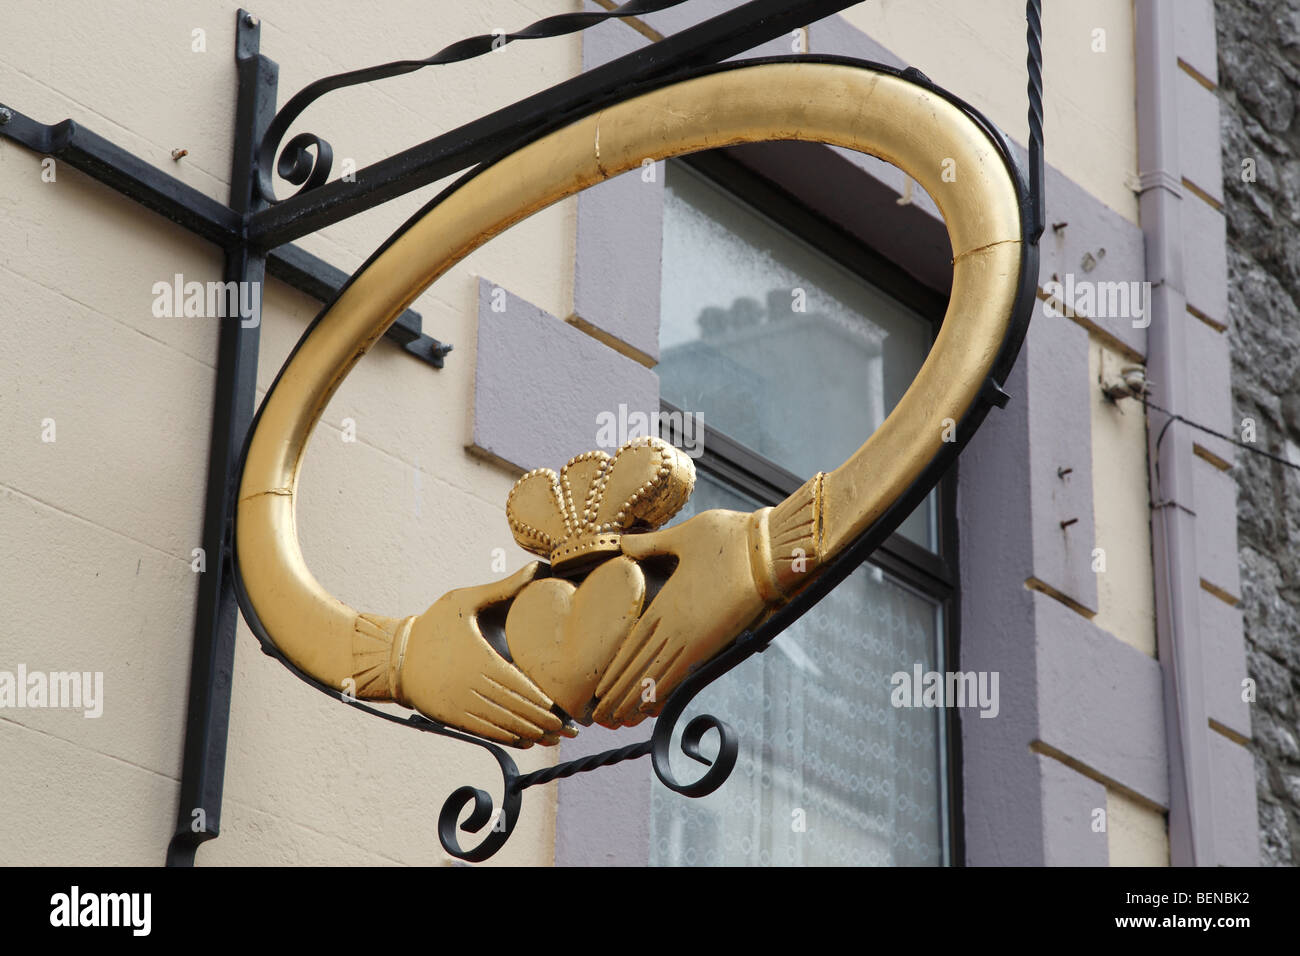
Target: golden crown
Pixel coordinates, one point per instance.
(580, 515)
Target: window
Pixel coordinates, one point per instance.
(794, 342)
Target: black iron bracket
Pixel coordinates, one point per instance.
(319, 204)
(198, 816)
(88, 152)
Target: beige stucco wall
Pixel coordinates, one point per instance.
(1137, 833)
(99, 525)
(1121, 506)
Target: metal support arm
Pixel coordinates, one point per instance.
(85, 150)
(712, 41)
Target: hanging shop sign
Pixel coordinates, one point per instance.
(612, 623)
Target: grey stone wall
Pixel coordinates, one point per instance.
(1259, 79)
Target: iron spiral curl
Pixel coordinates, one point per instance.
(720, 767)
(502, 824)
(298, 166)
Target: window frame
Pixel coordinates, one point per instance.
(934, 575)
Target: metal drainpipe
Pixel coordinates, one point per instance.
(1173, 515)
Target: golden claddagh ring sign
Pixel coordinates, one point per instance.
(616, 599)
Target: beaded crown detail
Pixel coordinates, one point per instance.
(580, 515)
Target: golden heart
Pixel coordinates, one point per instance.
(565, 637)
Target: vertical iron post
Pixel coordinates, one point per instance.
(198, 817)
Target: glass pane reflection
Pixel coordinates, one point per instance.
(829, 772)
(778, 346)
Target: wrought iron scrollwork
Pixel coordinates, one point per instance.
(298, 166)
(513, 784)
(659, 746)
(502, 821)
(720, 766)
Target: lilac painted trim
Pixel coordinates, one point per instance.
(528, 362)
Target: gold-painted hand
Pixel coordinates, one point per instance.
(450, 672)
(709, 597)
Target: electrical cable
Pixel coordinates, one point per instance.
(1174, 416)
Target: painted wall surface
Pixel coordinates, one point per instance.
(1125, 602)
(99, 524)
